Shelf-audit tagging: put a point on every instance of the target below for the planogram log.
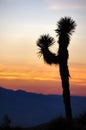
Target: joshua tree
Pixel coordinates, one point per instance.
(64, 30)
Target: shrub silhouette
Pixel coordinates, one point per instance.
(6, 122)
(65, 28)
(81, 119)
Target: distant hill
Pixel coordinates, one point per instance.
(30, 109)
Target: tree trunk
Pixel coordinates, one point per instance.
(66, 97)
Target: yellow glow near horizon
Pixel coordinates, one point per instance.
(51, 72)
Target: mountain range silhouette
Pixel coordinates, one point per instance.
(29, 109)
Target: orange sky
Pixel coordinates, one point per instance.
(21, 24)
(42, 79)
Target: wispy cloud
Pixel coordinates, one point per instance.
(8, 0)
(66, 4)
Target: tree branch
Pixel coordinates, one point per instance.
(49, 57)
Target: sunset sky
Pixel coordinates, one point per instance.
(21, 24)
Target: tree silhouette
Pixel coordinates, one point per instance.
(65, 27)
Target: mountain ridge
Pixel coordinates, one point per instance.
(24, 91)
(30, 109)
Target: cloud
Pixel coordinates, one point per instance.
(13, 1)
(66, 4)
(8, 0)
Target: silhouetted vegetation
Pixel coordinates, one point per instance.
(65, 27)
(60, 123)
(6, 122)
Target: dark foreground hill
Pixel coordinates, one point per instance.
(28, 109)
(78, 123)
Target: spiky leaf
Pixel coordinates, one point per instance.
(45, 41)
(65, 25)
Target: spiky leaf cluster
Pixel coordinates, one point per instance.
(65, 25)
(45, 41)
